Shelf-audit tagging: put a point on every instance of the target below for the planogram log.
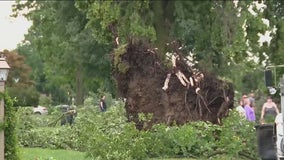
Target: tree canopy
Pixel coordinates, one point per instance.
(73, 40)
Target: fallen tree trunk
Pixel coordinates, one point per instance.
(175, 93)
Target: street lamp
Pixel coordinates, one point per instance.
(4, 69)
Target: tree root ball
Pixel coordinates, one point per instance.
(140, 76)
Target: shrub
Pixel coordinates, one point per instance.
(11, 141)
(34, 131)
(109, 135)
(45, 100)
(25, 96)
(237, 138)
(50, 137)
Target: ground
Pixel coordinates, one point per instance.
(140, 74)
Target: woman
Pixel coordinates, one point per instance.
(250, 115)
(269, 111)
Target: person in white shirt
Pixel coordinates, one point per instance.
(279, 131)
(241, 109)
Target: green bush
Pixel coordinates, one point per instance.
(25, 96)
(238, 137)
(50, 137)
(34, 130)
(27, 119)
(11, 141)
(108, 135)
(45, 101)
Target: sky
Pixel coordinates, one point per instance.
(12, 30)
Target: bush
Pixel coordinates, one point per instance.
(50, 137)
(25, 96)
(45, 100)
(34, 131)
(11, 141)
(108, 135)
(238, 137)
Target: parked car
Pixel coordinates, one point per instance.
(40, 110)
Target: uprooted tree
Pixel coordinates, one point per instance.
(169, 89)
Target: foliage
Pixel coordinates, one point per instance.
(10, 121)
(118, 52)
(110, 19)
(24, 96)
(237, 137)
(19, 85)
(108, 135)
(274, 13)
(19, 71)
(28, 120)
(53, 138)
(33, 131)
(222, 36)
(45, 100)
(74, 62)
(34, 60)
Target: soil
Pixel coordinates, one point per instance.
(141, 80)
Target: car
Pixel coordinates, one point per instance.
(40, 110)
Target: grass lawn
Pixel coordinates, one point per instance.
(48, 154)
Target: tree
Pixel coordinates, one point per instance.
(275, 13)
(212, 31)
(220, 36)
(69, 52)
(36, 63)
(19, 84)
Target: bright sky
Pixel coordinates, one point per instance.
(12, 30)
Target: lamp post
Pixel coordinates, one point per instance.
(4, 69)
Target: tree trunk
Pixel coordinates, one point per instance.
(163, 11)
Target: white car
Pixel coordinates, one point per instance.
(40, 110)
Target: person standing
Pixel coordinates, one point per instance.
(250, 115)
(269, 111)
(103, 105)
(279, 132)
(252, 100)
(241, 109)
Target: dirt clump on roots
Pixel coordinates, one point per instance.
(171, 94)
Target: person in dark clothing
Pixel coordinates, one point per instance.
(103, 104)
(69, 114)
(269, 111)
